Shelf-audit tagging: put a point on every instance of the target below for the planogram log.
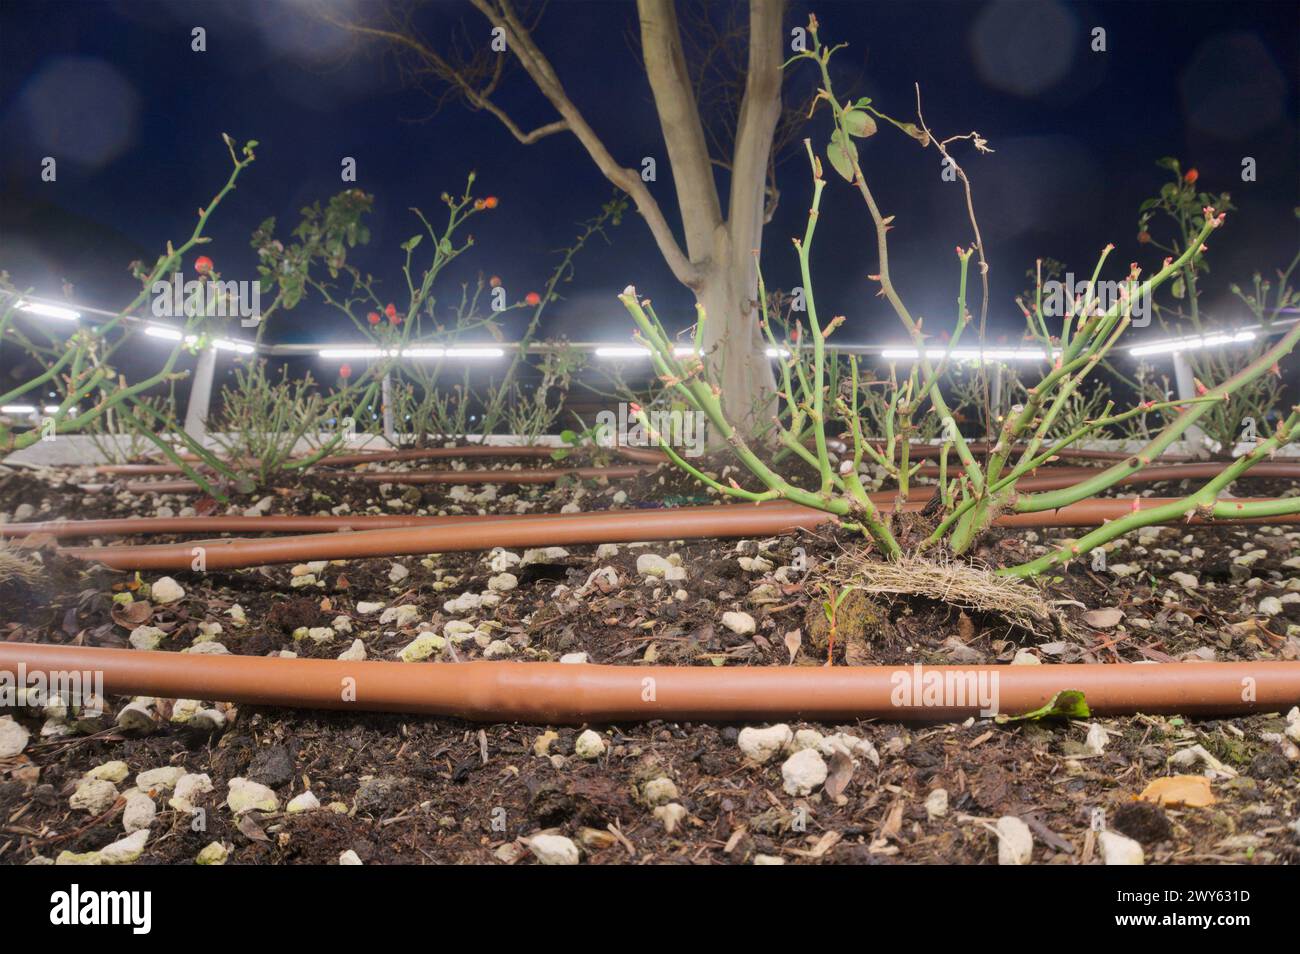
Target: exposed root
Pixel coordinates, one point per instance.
(15, 569)
(969, 586)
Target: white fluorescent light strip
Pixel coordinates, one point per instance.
(970, 354)
(1192, 344)
(49, 311)
(221, 344)
(17, 409)
(636, 351)
(456, 352)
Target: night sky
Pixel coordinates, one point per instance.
(113, 90)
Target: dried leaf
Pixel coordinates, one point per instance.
(251, 829)
(793, 640)
(1106, 618)
(840, 775)
(131, 615)
(1191, 791)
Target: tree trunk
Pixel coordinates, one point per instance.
(734, 345)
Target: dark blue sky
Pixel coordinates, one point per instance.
(134, 116)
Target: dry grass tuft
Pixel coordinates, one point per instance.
(14, 569)
(965, 585)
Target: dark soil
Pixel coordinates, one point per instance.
(404, 789)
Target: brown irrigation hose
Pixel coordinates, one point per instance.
(559, 693)
(466, 534)
(645, 456)
(544, 476)
(1069, 476)
(1046, 478)
(1090, 513)
(547, 475)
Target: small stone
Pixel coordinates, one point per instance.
(210, 648)
(397, 573)
(498, 649)
(94, 795)
(245, 796)
(115, 771)
(808, 739)
(400, 616)
(349, 857)
(13, 737)
(367, 609)
(189, 787)
(671, 815)
(742, 624)
(1117, 849)
(160, 779)
(651, 564)
(139, 812)
(1015, 842)
(1270, 606)
(237, 615)
(803, 772)
(574, 659)
(146, 637)
(422, 647)
(354, 653)
(126, 850)
(761, 859)
(214, 853)
(659, 791)
(542, 744)
(1025, 657)
(760, 745)
(306, 802)
(554, 850)
(1185, 580)
(464, 603)
(503, 583)
(936, 803)
(1097, 739)
(166, 590)
(589, 745)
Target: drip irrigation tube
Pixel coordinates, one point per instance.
(476, 451)
(463, 534)
(1045, 478)
(573, 694)
(1086, 514)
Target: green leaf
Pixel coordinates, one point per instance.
(411, 243)
(1177, 289)
(839, 152)
(859, 124)
(559, 453)
(1066, 704)
(569, 437)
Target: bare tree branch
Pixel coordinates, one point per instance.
(679, 117)
(759, 113)
(519, 39)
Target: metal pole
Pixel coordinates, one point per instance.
(196, 412)
(390, 429)
(1185, 385)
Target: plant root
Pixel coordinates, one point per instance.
(966, 585)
